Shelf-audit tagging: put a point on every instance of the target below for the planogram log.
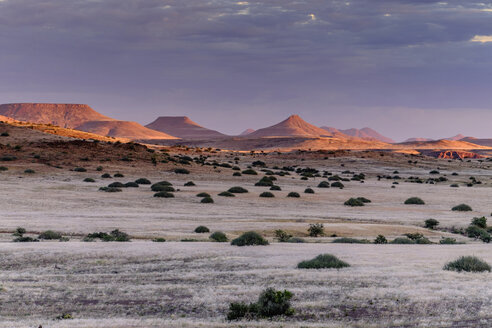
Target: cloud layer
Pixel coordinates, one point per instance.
(229, 63)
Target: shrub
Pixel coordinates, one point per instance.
(181, 171)
(50, 235)
(207, 200)
(454, 185)
(99, 168)
(189, 184)
(353, 202)
(203, 194)
(131, 185)
(23, 239)
(316, 229)
(115, 235)
(282, 236)
(363, 199)
(338, 184)
(227, 194)
(462, 208)
(3, 168)
(293, 194)
(323, 261)
(270, 303)
(324, 184)
(89, 180)
(237, 190)
(447, 241)
(110, 189)
(346, 240)
(249, 238)
(402, 240)
(163, 183)
(106, 176)
(296, 240)
(275, 188)
(80, 169)
(219, 236)
(19, 232)
(119, 175)
(309, 191)
(116, 185)
(431, 223)
(143, 181)
(467, 264)
(414, 201)
(236, 174)
(264, 182)
(202, 229)
(29, 171)
(380, 239)
(478, 233)
(267, 194)
(164, 194)
(250, 172)
(480, 222)
(4, 134)
(159, 187)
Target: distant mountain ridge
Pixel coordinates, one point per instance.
(293, 126)
(183, 127)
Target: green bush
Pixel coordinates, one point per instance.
(380, 239)
(402, 240)
(99, 168)
(106, 176)
(346, 240)
(447, 241)
(159, 187)
(23, 239)
(293, 194)
(50, 235)
(164, 194)
(119, 175)
(250, 172)
(131, 185)
(236, 174)
(275, 188)
(414, 201)
(480, 222)
(264, 182)
(143, 181)
(19, 232)
(296, 240)
(219, 237)
(316, 229)
(324, 184)
(478, 233)
(271, 303)
(338, 184)
(431, 223)
(203, 194)
(462, 208)
(249, 238)
(3, 168)
(29, 171)
(110, 189)
(363, 200)
(159, 240)
(116, 185)
(115, 235)
(89, 180)
(207, 200)
(282, 236)
(267, 194)
(353, 202)
(323, 261)
(181, 171)
(80, 169)
(227, 194)
(309, 191)
(202, 229)
(467, 264)
(189, 184)
(237, 190)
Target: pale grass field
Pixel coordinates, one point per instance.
(178, 284)
(144, 284)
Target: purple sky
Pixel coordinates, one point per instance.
(404, 68)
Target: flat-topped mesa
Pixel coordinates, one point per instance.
(183, 127)
(123, 129)
(293, 126)
(63, 115)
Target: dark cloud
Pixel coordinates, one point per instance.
(323, 58)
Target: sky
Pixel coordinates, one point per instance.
(405, 68)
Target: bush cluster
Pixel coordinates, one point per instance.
(323, 261)
(115, 235)
(271, 303)
(467, 264)
(250, 238)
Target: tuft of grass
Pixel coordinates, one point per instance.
(467, 264)
(323, 261)
(159, 240)
(462, 208)
(414, 201)
(250, 238)
(219, 237)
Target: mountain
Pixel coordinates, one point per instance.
(293, 126)
(330, 129)
(123, 129)
(418, 139)
(439, 144)
(368, 134)
(246, 132)
(63, 115)
(183, 127)
(456, 137)
(481, 142)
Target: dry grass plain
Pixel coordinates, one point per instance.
(190, 284)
